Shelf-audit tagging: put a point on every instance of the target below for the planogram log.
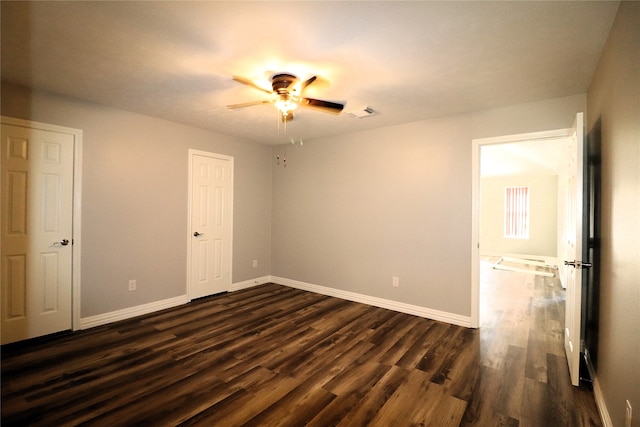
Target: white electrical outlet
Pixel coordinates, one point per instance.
(255, 263)
(627, 418)
(132, 285)
(395, 281)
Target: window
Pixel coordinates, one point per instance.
(516, 212)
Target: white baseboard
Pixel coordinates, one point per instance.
(250, 283)
(415, 310)
(139, 310)
(428, 313)
(600, 403)
(597, 392)
(127, 313)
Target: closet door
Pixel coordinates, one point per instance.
(37, 225)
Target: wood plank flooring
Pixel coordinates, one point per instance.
(276, 356)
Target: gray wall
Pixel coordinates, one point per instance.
(134, 199)
(614, 96)
(543, 221)
(352, 211)
(347, 212)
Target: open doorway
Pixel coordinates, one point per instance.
(571, 238)
(522, 214)
(535, 161)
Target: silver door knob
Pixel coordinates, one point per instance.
(578, 264)
(63, 242)
(196, 234)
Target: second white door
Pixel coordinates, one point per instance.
(211, 223)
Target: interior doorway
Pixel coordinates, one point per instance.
(507, 156)
(571, 238)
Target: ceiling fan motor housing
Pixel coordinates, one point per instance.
(281, 83)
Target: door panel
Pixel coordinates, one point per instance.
(211, 228)
(573, 256)
(37, 194)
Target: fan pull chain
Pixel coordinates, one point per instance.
(282, 117)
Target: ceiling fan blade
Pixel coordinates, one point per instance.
(248, 82)
(307, 82)
(324, 106)
(248, 104)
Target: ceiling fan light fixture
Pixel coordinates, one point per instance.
(287, 95)
(285, 106)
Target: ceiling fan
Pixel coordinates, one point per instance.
(287, 95)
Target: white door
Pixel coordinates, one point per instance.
(37, 224)
(211, 199)
(573, 257)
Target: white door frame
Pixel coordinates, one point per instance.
(77, 206)
(475, 204)
(230, 159)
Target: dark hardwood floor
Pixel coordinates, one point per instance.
(273, 355)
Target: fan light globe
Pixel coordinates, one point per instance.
(285, 106)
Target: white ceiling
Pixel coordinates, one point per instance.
(535, 157)
(407, 60)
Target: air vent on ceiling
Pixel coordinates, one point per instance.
(362, 112)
